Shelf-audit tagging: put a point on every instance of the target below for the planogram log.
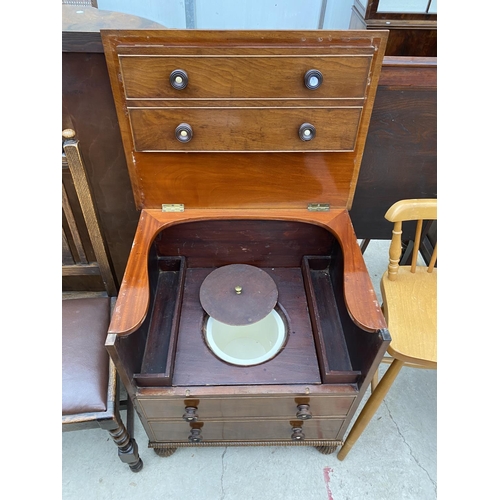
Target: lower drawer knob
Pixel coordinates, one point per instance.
(297, 434)
(195, 436)
(190, 415)
(307, 132)
(184, 132)
(303, 412)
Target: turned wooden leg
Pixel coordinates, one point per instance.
(371, 407)
(128, 451)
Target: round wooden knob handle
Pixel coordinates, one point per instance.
(297, 434)
(179, 79)
(184, 132)
(307, 132)
(303, 412)
(190, 415)
(313, 79)
(195, 436)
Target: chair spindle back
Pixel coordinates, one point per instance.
(409, 210)
(76, 262)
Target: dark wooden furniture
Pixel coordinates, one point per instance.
(88, 108)
(89, 379)
(235, 159)
(399, 160)
(410, 33)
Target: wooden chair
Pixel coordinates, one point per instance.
(89, 378)
(409, 296)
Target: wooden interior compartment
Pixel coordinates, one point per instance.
(306, 263)
(167, 275)
(296, 363)
(345, 351)
(333, 355)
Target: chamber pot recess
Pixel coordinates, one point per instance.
(243, 325)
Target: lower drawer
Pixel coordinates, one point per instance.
(249, 407)
(245, 430)
(245, 129)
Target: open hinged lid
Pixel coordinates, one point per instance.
(270, 119)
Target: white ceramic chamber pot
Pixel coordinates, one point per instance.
(247, 345)
(243, 326)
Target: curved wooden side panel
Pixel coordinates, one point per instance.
(360, 297)
(133, 299)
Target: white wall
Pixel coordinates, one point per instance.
(338, 14)
(258, 14)
(239, 14)
(169, 13)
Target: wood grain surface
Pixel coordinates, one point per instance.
(133, 300)
(245, 76)
(296, 363)
(402, 132)
(197, 180)
(239, 129)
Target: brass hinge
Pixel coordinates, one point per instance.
(172, 207)
(318, 207)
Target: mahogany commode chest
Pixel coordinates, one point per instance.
(246, 315)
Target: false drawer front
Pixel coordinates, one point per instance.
(283, 407)
(244, 129)
(240, 76)
(245, 430)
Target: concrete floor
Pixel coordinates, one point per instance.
(394, 459)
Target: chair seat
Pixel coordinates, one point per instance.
(85, 361)
(410, 307)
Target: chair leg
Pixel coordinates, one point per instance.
(374, 380)
(128, 451)
(371, 407)
(127, 448)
